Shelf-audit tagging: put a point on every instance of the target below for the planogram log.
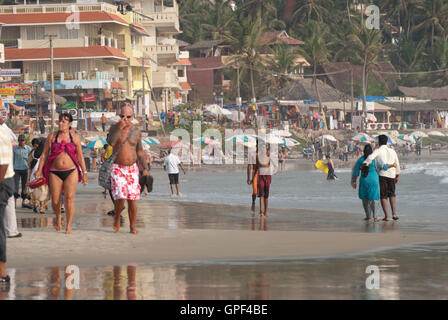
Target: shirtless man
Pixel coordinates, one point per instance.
(125, 174)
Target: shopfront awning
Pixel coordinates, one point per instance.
(140, 31)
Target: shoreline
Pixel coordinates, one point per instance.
(104, 247)
(198, 243)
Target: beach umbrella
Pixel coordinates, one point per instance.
(206, 140)
(97, 144)
(328, 137)
(362, 137)
(217, 110)
(150, 141)
(419, 134)
(284, 133)
(174, 144)
(289, 142)
(242, 138)
(317, 116)
(406, 137)
(436, 133)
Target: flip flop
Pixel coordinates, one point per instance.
(385, 219)
(395, 218)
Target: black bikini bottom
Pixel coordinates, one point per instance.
(63, 174)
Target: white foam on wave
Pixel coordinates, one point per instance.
(435, 169)
(444, 180)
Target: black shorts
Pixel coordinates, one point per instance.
(387, 187)
(174, 178)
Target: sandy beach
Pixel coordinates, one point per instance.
(99, 245)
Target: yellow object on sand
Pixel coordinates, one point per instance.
(322, 166)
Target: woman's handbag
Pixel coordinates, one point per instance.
(106, 168)
(36, 183)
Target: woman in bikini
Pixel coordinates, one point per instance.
(63, 166)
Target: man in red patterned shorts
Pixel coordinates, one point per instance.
(125, 173)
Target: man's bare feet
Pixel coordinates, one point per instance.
(377, 220)
(116, 228)
(134, 231)
(68, 231)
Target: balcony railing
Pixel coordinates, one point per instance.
(162, 49)
(56, 8)
(10, 43)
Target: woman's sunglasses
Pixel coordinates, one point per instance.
(123, 116)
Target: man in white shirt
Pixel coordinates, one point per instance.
(172, 163)
(6, 191)
(267, 166)
(389, 178)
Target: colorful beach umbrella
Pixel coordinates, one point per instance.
(362, 137)
(97, 144)
(242, 138)
(290, 142)
(207, 140)
(406, 137)
(150, 141)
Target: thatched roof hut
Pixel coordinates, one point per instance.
(425, 93)
(342, 80)
(303, 89)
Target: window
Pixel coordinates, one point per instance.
(134, 42)
(71, 66)
(180, 73)
(65, 33)
(37, 67)
(35, 33)
(121, 44)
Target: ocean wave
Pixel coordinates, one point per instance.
(444, 180)
(435, 169)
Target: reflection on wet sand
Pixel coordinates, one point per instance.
(415, 272)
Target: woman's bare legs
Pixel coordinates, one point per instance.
(70, 185)
(56, 185)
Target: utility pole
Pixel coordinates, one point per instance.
(238, 99)
(52, 103)
(143, 85)
(351, 89)
(155, 103)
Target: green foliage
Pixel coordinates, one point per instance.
(413, 36)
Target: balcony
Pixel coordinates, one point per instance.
(62, 8)
(10, 43)
(164, 53)
(165, 78)
(165, 21)
(68, 81)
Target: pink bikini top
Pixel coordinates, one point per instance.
(56, 149)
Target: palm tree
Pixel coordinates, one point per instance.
(219, 18)
(282, 63)
(192, 18)
(439, 59)
(365, 48)
(307, 10)
(433, 16)
(315, 51)
(245, 39)
(258, 8)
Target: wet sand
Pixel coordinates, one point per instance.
(96, 243)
